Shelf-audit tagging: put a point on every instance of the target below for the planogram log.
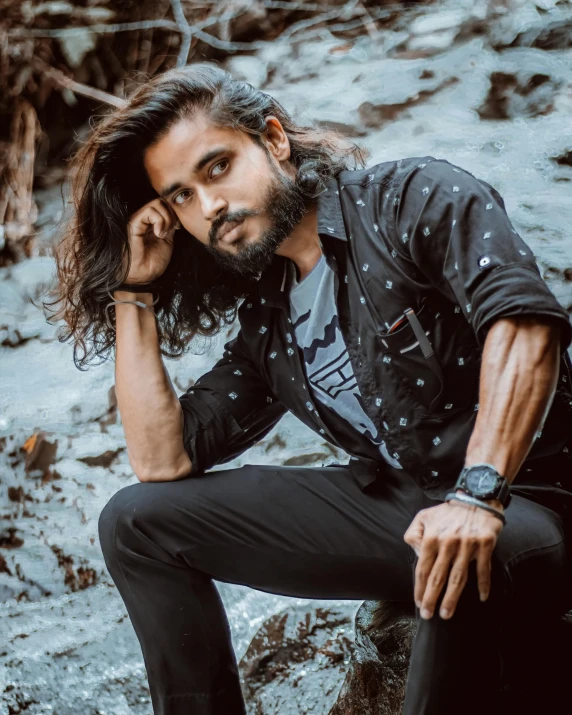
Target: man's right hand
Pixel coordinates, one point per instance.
(151, 238)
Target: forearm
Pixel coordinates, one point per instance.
(518, 379)
(150, 410)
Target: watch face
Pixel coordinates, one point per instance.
(481, 480)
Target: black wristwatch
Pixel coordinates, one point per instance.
(482, 481)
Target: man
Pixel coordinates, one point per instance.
(395, 311)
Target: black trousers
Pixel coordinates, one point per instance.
(311, 532)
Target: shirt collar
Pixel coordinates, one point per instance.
(272, 283)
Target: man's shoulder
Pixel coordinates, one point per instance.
(384, 172)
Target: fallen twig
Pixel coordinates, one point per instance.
(85, 89)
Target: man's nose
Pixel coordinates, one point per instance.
(212, 206)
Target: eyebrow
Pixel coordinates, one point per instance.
(201, 163)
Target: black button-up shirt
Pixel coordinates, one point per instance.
(417, 237)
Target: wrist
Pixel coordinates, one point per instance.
(144, 297)
(495, 503)
(460, 497)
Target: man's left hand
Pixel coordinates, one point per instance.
(446, 539)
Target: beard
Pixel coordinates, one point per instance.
(285, 204)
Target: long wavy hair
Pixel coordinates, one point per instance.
(198, 297)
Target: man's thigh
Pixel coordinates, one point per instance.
(309, 532)
(533, 552)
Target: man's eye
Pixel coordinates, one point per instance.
(224, 161)
(182, 196)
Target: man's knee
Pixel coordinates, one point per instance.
(155, 518)
(533, 553)
(116, 511)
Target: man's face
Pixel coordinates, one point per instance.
(212, 178)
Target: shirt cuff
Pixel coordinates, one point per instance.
(208, 430)
(511, 291)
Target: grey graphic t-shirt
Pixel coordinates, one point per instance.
(315, 320)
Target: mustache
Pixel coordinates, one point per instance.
(302, 191)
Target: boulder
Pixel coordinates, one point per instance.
(525, 83)
(297, 660)
(377, 674)
(306, 659)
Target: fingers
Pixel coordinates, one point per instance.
(458, 577)
(484, 557)
(155, 214)
(431, 573)
(170, 217)
(446, 540)
(414, 534)
(156, 219)
(140, 222)
(428, 554)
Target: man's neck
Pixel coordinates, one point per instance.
(303, 246)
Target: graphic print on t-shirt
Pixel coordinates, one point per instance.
(328, 367)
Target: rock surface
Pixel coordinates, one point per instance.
(297, 660)
(377, 675)
(485, 85)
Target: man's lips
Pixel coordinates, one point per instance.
(229, 233)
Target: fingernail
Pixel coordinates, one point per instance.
(418, 604)
(444, 613)
(483, 596)
(426, 613)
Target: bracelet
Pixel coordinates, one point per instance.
(134, 302)
(475, 502)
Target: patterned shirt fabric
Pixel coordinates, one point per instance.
(424, 260)
(328, 367)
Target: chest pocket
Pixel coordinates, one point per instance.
(408, 353)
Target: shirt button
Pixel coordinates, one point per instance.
(484, 261)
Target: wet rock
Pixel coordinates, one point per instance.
(32, 276)
(12, 309)
(556, 35)
(102, 460)
(4, 566)
(248, 69)
(94, 449)
(564, 159)
(17, 494)
(113, 410)
(78, 578)
(438, 21)
(40, 452)
(377, 674)
(526, 84)
(297, 661)
(20, 320)
(510, 19)
(374, 114)
(9, 540)
(438, 31)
